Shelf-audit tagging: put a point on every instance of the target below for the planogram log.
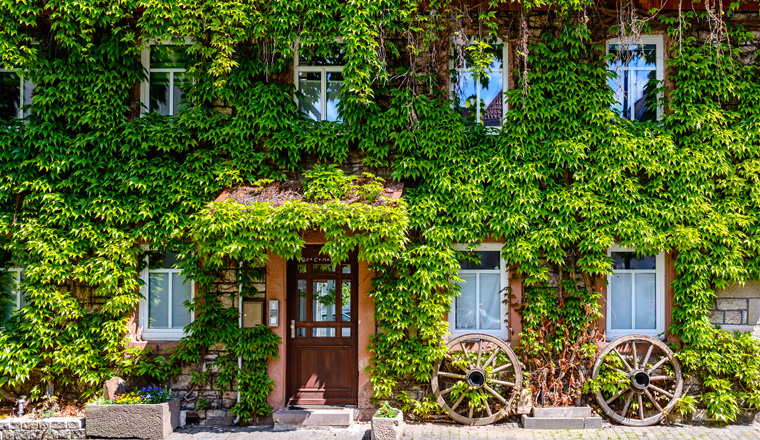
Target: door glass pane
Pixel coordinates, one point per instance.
(620, 301)
(322, 332)
(310, 86)
(301, 332)
(159, 93)
(158, 300)
(490, 304)
(334, 86)
(10, 95)
(345, 332)
(465, 303)
(181, 292)
(346, 269)
(323, 304)
(323, 268)
(646, 305)
(345, 292)
(301, 305)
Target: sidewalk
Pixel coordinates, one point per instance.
(505, 431)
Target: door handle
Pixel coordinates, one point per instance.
(292, 328)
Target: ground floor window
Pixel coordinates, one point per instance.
(635, 294)
(480, 305)
(12, 298)
(163, 311)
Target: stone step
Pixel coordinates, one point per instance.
(563, 412)
(591, 422)
(287, 418)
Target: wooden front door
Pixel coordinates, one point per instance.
(322, 343)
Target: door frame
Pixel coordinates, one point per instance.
(310, 254)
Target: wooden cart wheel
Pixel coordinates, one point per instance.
(649, 380)
(478, 379)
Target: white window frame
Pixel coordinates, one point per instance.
(17, 286)
(160, 334)
(504, 77)
(503, 332)
(643, 40)
(21, 113)
(145, 86)
(659, 272)
(324, 70)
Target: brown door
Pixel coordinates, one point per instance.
(322, 358)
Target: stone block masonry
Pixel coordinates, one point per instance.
(21, 428)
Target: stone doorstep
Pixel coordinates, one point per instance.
(563, 412)
(292, 418)
(594, 422)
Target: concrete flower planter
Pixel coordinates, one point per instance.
(144, 421)
(384, 428)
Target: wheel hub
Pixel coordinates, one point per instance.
(476, 377)
(639, 379)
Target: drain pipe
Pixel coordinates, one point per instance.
(240, 325)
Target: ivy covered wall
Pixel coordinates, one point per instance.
(85, 180)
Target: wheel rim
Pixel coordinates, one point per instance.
(478, 379)
(649, 381)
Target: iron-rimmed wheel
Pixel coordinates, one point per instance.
(648, 376)
(478, 379)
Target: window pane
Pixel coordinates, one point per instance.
(345, 292)
(466, 94)
(168, 260)
(490, 304)
(179, 95)
(158, 300)
(465, 303)
(323, 301)
(628, 260)
(636, 70)
(489, 260)
(166, 56)
(10, 95)
(492, 98)
(310, 86)
(646, 304)
(159, 93)
(8, 297)
(28, 96)
(181, 292)
(620, 301)
(306, 57)
(334, 85)
(21, 277)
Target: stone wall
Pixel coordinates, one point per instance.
(20, 428)
(737, 308)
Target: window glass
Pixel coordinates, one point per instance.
(479, 304)
(158, 300)
(629, 260)
(323, 305)
(168, 291)
(334, 86)
(466, 314)
(632, 293)
(336, 57)
(646, 304)
(481, 99)
(488, 260)
(15, 95)
(8, 295)
(620, 298)
(310, 86)
(635, 68)
(319, 80)
(167, 66)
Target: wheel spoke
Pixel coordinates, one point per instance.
(661, 378)
(622, 359)
(653, 400)
(502, 368)
(502, 382)
(466, 354)
(660, 390)
(456, 404)
(627, 403)
(641, 407)
(492, 357)
(471, 411)
(452, 375)
(658, 364)
(447, 391)
(497, 395)
(488, 407)
(635, 356)
(646, 357)
(480, 352)
(611, 399)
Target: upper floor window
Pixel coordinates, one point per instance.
(480, 96)
(319, 81)
(480, 306)
(163, 312)
(12, 297)
(166, 65)
(638, 66)
(635, 294)
(15, 95)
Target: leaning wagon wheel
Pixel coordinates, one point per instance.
(648, 376)
(477, 380)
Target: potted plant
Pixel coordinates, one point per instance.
(149, 413)
(387, 423)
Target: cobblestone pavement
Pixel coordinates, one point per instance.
(506, 431)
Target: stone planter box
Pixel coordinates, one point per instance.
(144, 421)
(384, 428)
